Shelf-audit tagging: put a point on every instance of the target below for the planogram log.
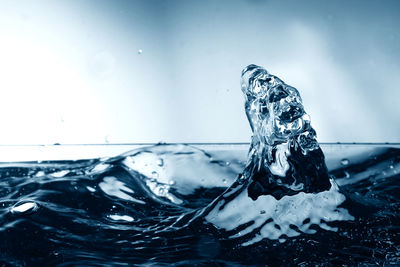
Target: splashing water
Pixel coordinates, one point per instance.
(285, 177)
(284, 152)
(180, 204)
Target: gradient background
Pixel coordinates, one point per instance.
(149, 71)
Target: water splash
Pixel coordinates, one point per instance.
(285, 187)
(284, 151)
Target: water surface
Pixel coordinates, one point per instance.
(124, 210)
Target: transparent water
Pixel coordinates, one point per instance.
(91, 212)
(285, 203)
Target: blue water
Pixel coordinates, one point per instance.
(91, 212)
(288, 203)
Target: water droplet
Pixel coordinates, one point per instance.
(154, 174)
(172, 182)
(160, 162)
(347, 175)
(262, 211)
(224, 181)
(24, 208)
(391, 166)
(345, 162)
(140, 51)
(227, 163)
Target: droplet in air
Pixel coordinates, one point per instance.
(224, 181)
(140, 51)
(345, 162)
(24, 208)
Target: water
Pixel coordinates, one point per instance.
(92, 212)
(282, 204)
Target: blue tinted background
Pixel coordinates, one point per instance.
(149, 71)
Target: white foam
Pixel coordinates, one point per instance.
(289, 210)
